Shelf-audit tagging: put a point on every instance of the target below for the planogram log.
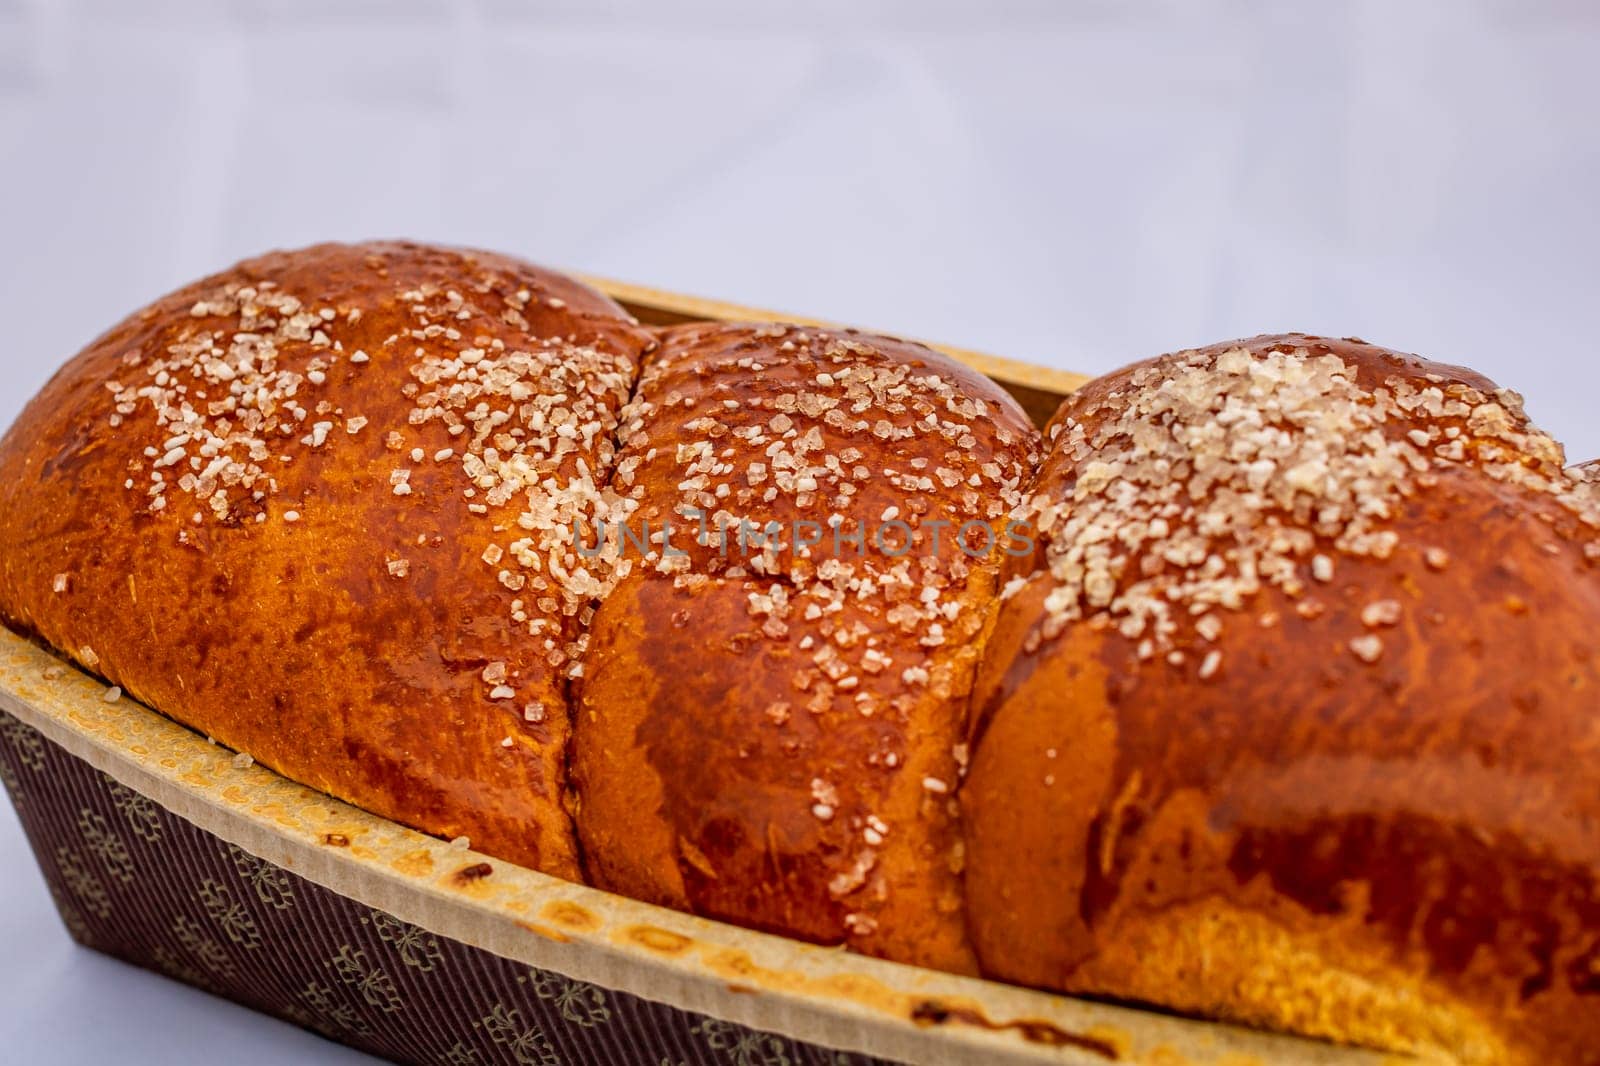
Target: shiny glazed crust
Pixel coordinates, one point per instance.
(1285, 722)
(246, 506)
(776, 739)
(1285, 717)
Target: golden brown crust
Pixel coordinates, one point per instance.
(1284, 718)
(1353, 802)
(218, 506)
(773, 739)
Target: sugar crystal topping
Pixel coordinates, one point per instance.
(532, 430)
(226, 400)
(530, 424)
(848, 436)
(1208, 476)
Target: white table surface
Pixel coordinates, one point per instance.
(1074, 184)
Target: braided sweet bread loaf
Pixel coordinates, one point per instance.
(1275, 664)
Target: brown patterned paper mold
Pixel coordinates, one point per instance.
(135, 881)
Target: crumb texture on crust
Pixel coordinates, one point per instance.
(772, 733)
(1289, 712)
(314, 507)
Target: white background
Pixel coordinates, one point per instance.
(1074, 184)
